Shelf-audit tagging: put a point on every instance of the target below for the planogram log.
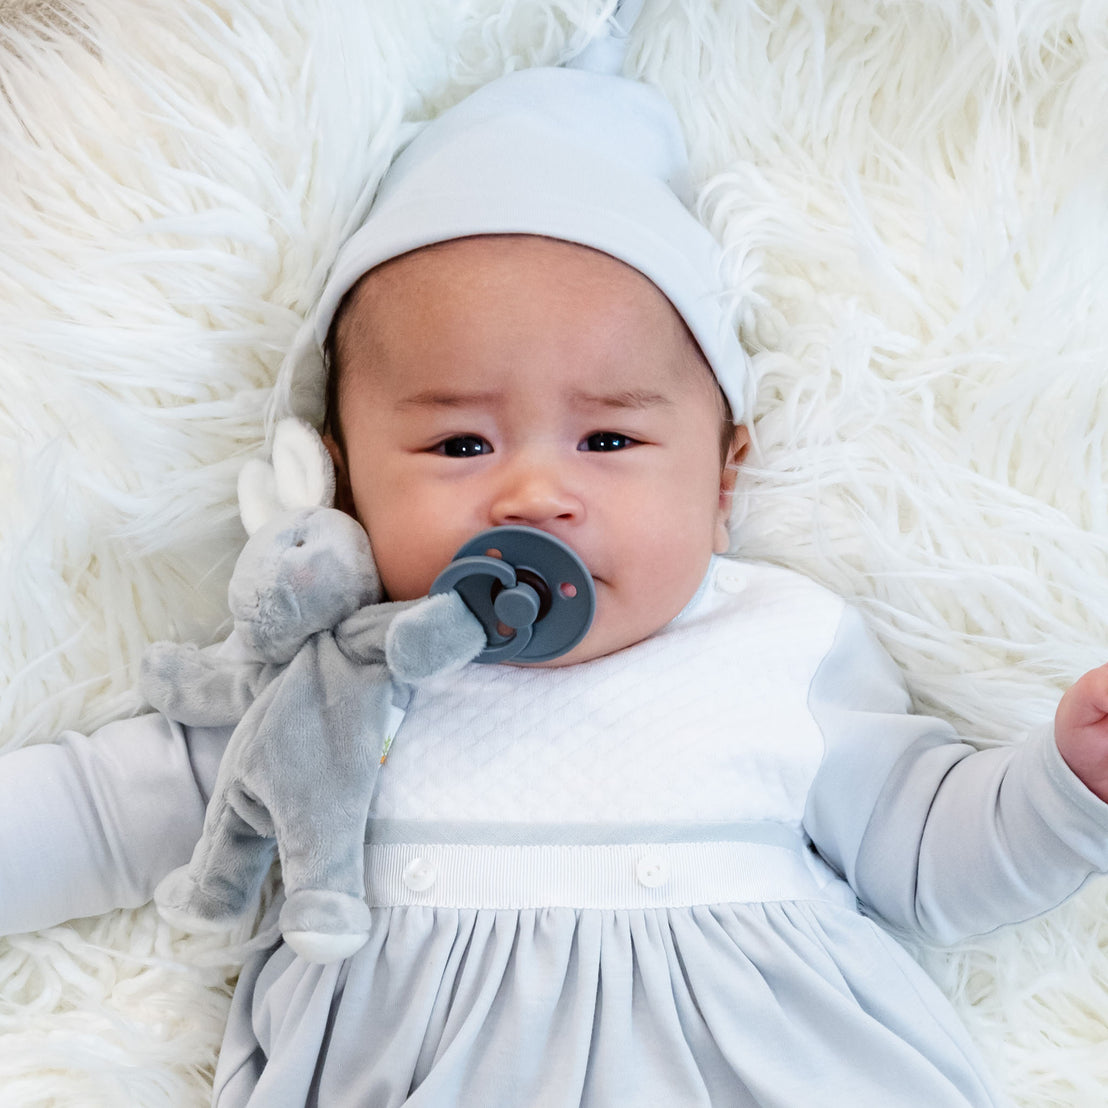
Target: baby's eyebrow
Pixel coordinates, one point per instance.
(621, 398)
(624, 399)
(436, 398)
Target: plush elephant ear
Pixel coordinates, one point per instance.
(304, 471)
(258, 502)
(301, 475)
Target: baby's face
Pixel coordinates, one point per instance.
(521, 380)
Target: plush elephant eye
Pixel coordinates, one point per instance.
(299, 542)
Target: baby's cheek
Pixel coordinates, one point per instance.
(648, 599)
(409, 569)
(400, 585)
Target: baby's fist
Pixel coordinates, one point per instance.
(1081, 730)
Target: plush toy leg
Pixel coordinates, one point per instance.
(322, 744)
(324, 926)
(325, 917)
(222, 881)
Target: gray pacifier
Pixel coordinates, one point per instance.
(531, 592)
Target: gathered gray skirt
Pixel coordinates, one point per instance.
(771, 1001)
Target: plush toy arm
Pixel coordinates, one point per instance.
(200, 688)
(361, 636)
(431, 637)
(417, 639)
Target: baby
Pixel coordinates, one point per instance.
(647, 873)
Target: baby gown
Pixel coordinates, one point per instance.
(616, 883)
(597, 885)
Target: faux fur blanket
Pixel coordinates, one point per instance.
(914, 195)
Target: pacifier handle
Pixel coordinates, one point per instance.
(531, 592)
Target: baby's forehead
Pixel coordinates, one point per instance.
(484, 272)
(476, 255)
(454, 311)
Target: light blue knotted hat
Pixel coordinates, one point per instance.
(574, 152)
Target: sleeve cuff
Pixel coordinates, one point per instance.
(1077, 815)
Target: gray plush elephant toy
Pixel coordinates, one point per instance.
(315, 677)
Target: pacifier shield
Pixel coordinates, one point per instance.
(531, 592)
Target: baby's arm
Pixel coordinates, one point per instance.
(938, 838)
(88, 824)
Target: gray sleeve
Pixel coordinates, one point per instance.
(88, 824)
(936, 837)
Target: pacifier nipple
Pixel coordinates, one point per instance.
(525, 603)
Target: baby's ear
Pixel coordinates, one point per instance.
(344, 493)
(740, 445)
(736, 452)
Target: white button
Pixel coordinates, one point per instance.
(730, 579)
(419, 875)
(652, 870)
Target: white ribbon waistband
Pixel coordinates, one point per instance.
(641, 875)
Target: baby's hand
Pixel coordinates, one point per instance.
(1081, 730)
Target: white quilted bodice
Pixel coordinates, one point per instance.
(706, 721)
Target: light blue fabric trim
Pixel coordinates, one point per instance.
(450, 833)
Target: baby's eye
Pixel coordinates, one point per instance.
(463, 446)
(606, 440)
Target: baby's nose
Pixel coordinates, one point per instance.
(534, 493)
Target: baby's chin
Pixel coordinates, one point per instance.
(582, 652)
(586, 651)
(607, 635)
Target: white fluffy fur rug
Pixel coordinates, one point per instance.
(915, 198)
